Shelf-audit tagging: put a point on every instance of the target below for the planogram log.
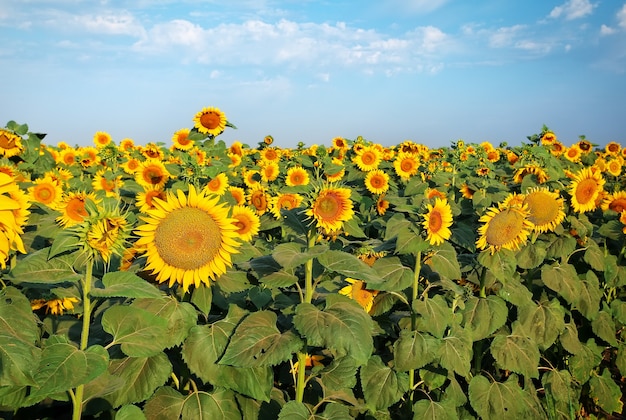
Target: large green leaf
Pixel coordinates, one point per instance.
(443, 261)
(483, 316)
(180, 316)
(140, 332)
(515, 292)
(63, 367)
(516, 352)
(603, 326)
(501, 264)
(563, 279)
(382, 386)
(347, 264)
(166, 403)
(456, 351)
(569, 338)
(606, 393)
(219, 405)
(414, 349)
(410, 242)
(497, 400)
(258, 342)
(19, 356)
(531, 256)
(342, 327)
(433, 410)
(202, 298)
(585, 361)
(543, 322)
(125, 284)
(594, 256)
(393, 275)
(36, 268)
(141, 376)
(588, 301)
(294, 410)
(560, 388)
(340, 374)
(435, 315)
(292, 254)
(279, 278)
(129, 412)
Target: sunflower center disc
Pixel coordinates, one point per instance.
(328, 207)
(435, 222)
(188, 238)
(504, 228)
(586, 190)
(543, 208)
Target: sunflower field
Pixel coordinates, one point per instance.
(196, 279)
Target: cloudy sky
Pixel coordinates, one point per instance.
(431, 71)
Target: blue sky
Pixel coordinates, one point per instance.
(431, 71)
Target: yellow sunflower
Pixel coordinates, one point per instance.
(13, 217)
(73, 209)
(622, 219)
(131, 165)
(615, 202)
(613, 148)
(101, 139)
(382, 205)
(10, 144)
(246, 222)
(367, 158)
(406, 165)
(103, 233)
(466, 191)
(437, 221)
(548, 138)
(145, 199)
(67, 157)
(236, 148)
(356, 290)
(189, 239)
(297, 175)
(535, 170)
(217, 185)
(269, 171)
(614, 167)
(546, 209)
(108, 182)
(573, 153)
(152, 173)
(251, 177)
(152, 151)
(585, 189)
(235, 160)
(126, 145)
(504, 227)
(331, 208)
(258, 199)
(46, 191)
(56, 306)
(181, 140)
(270, 154)
(89, 156)
(210, 121)
(287, 201)
(238, 194)
(377, 181)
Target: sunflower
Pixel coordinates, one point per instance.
(615, 202)
(340, 143)
(210, 121)
(585, 188)
(382, 205)
(145, 199)
(367, 158)
(56, 306)
(181, 140)
(251, 178)
(258, 199)
(535, 170)
(152, 173)
(357, 291)
(199, 155)
(269, 171)
(336, 175)
(406, 165)
(126, 145)
(88, 156)
(246, 221)
(546, 209)
(236, 148)
(466, 191)
(377, 181)
(493, 155)
(573, 153)
(548, 138)
(331, 208)
(235, 160)
(585, 146)
(107, 181)
(152, 151)
(188, 239)
(437, 221)
(72, 207)
(613, 148)
(131, 165)
(10, 144)
(217, 185)
(622, 219)
(614, 167)
(287, 201)
(270, 154)
(13, 217)
(267, 140)
(67, 157)
(504, 227)
(297, 175)
(238, 194)
(46, 191)
(101, 139)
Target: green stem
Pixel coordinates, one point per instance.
(308, 297)
(414, 294)
(84, 337)
(483, 288)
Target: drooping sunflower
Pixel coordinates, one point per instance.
(102, 139)
(368, 158)
(217, 185)
(331, 208)
(287, 201)
(615, 202)
(377, 181)
(297, 175)
(152, 173)
(246, 222)
(10, 144)
(406, 165)
(437, 222)
(585, 189)
(546, 209)
(382, 205)
(504, 227)
(356, 290)
(72, 207)
(189, 239)
(531, 169)
(181, 140)
(145, 199)
(55, 306)
(46, 191)
(210, 121)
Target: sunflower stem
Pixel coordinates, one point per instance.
(414, 294)
(308, 297)
(77, 401)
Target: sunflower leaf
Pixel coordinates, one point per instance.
(393, 275)
(125, 284)
(166, 403)
(483, 316)
(180, 316)
(382, 386)
(348, 265)
(456, 351)
(430, 409)
(415, 349)
(563, 279)
(443, 260)
(543, 322)
(36, 268)
(139, 332)
(606, 392)
(516, 352)
(501, 264)
(291, 254)
(493, 400)
(219, 405)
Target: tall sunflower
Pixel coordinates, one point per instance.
(546, 209)
(181, 140)
(585, 189)
(102, 139)
(437, 221)
(246, 222)
(297, 175)
(504, 227)
(152, 173)
(331, 208)
(377, 181)
(210, 121)
(189, 239)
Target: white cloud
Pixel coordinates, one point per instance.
(505, 36)
(607, 30)
(573, 9)
(621, 17)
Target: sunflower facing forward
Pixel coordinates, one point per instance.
(437, 221)
(331, 208)
(188, 239)
(505, 227)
